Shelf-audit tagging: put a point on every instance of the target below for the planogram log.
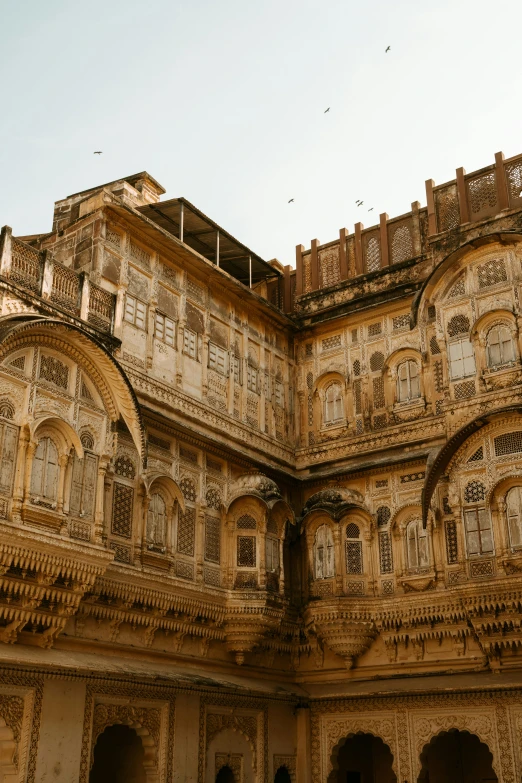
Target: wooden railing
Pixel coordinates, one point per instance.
(37, 272)
(469, 198)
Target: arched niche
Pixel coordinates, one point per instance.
(444, 275)
(233, 747)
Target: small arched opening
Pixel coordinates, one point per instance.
(225, 775)
(282, 775)
(456, 757)
(118, 757)
(363, 758)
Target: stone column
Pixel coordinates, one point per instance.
(304, 745)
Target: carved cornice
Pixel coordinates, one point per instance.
(371, 442)
(182, 403)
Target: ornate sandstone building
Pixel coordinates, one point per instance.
(259, 524)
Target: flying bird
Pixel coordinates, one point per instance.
(98, 152)
(290, 201)
(360, 203)
(371, 209)
(326, 110)
(387, 50)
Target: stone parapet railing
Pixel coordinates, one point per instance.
(468, 199)
(37, 272)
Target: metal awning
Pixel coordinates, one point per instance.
(182, 219)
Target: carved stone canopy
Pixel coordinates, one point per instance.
(335, 501)
(257, 484)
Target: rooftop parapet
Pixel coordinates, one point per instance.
(469, 198)
(37, 273)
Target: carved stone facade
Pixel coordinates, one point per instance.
(248, 530)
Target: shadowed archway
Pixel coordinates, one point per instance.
(456, 757)
(282, 776)
(118, 757)
(363, 758)
(225, 775)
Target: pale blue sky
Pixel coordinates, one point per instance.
(223, 103)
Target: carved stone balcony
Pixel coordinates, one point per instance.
(40, 275)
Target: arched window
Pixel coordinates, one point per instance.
(44, 478)
(324, 553)
(157, 521)
(408, 381)
(353, 550)
(500, 348)
(514, 516)
(333, 404)
(417, 545)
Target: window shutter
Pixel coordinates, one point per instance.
(424, 554)
(9, 441)
(486, 534)
(52, 472)
(414, 381)
(38, 469)
(514, 506)
(330, 564)
(319, 552)
(75, 504)
(89, 485)
(472, 532)
(413, 559)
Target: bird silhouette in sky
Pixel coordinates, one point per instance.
(371, 209)
(326, 110)
(387, 50)
(290, 200)
(360, 203)
(98, 152)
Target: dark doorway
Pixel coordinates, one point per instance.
(364, 759)
(118, 757)
(282, 776)
(456, 757)
(225, 775)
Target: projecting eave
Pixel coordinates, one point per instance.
(182, 252)
(206, 237)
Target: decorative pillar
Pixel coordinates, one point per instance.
(343, 258)
(299, 282)
(383, 230)
(63, 460)
(18, 485)
(199, 543)
(47, 277)
(31, 451)
(100, 500)
(463, 197)
(6, 255)
(430, 200)
(145, 503)
(501, 180)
